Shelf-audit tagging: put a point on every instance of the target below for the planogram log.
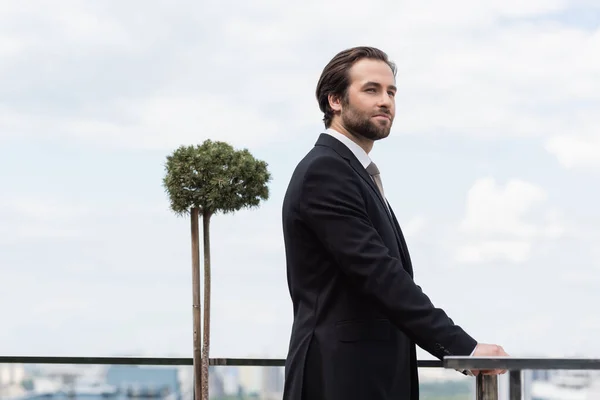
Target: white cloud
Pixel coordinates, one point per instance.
(25, 232)
(486, 69)
(576, 151)
(524, 80)
(503, 223)
(105, 80)
(121, 75)
(489, 250)
(29, 218)
(494, 210)
(9, 46)
(414, 227)
(48, 209)
(166, 122)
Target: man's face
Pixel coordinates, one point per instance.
(368, 109)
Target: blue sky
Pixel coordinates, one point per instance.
(491, 166)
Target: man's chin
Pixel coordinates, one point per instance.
(372, 132)
(379, 135)
(381, 131)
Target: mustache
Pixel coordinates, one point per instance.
(384, 112)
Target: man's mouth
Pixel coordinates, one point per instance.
(382, 116)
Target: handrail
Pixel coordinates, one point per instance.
(255, 362)
(487, 385)
(518, 364)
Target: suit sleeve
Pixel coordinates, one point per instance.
(333, 207)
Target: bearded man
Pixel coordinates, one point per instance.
(358, 314)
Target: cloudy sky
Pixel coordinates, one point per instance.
(492, 165)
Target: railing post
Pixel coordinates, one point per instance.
(487, 387)
(514, 385)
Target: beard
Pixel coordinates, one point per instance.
(362, 125)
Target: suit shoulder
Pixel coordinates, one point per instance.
(319, 166)
(324, 171)
(322, 160)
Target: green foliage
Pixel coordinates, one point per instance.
(214, 177)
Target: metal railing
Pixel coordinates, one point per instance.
(486, 385)
(177, 361)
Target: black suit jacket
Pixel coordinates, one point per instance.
(357, 311)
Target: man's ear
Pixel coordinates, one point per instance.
(335, 102)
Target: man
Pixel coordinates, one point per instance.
(357, 312)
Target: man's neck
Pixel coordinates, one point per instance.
(365, 144)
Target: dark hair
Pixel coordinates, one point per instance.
(335, 78)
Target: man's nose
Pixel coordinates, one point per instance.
(385, 100)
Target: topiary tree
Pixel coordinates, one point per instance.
(201, 181)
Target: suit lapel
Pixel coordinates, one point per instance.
(403, 244)
(345, 152)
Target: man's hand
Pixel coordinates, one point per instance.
(489, 350)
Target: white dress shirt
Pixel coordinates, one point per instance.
(358, 151)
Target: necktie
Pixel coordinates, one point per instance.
(374, 172)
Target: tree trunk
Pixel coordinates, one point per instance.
(196, 302)
(206, 345)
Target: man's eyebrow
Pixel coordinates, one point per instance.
(370, 83)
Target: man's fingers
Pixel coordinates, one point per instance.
(489, 350)
(489, 372)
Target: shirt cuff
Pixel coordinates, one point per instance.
(466, 371)
(471, 355)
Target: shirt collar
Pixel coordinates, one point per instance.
(358, 151)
